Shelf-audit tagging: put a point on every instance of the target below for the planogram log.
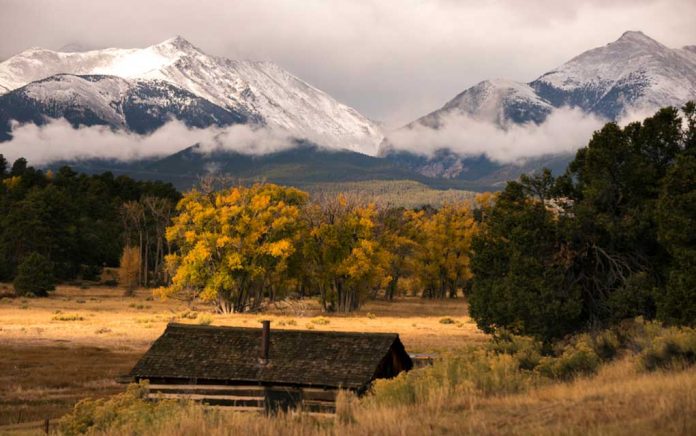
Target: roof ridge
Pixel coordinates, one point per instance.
(275, 330)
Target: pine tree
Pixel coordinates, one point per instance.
(34, 276)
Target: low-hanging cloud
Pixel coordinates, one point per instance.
(59, 141)
(564, 131)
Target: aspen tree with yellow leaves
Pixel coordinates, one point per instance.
(343, 253)
(441, 262)
(235, 244)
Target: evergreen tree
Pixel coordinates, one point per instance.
(34, 276)
(677, 221)
(520, 281)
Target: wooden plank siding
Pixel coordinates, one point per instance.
(247, 398)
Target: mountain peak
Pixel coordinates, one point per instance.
(178, 42)
(637, 37)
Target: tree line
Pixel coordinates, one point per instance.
(611, 238)
(70, 220)
(243, 245)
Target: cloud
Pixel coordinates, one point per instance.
(564, 131)
(393, 60)
(58, 140)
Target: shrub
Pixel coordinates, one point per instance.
(188, 314)
(34, 276)
(204, 319)
(474, 370)
(606, 344)
(675, 348)
(68, 317)
(447, 320)
(91, 272)
(526, 350)
(129, 409)
(576, 359)
(321, 321)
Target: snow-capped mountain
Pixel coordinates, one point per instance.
(139, 106)
(264, 92)
(499, 101)
(634, 74)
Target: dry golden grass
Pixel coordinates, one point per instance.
(132, 323)
(48, 364)
(617, 401)
(57, 350)
(43, 381)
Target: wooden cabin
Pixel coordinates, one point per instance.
(260, 369)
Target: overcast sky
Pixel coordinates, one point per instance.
(393, 60)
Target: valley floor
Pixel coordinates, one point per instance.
(72, 345)
(56, 350)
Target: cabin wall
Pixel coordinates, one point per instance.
(251, 397)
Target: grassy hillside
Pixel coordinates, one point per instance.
(394, 193)
(300, 166)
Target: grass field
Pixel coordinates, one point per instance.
(72, 345)
(57, 350)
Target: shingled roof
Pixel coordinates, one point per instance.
(229, 355)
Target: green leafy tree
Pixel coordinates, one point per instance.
(34, 276)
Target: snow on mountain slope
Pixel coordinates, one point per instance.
(499, 101)
(137, 105)
(267, 93)
(633, 73)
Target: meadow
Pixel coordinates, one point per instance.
(76, 342)
(58, 350)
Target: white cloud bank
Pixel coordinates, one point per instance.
(58, 140)
(564, 131)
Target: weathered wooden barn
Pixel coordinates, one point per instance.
(256, 369)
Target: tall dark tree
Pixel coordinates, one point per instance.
(3, 167)
(677, 223)
(34, 276)
(520, 273)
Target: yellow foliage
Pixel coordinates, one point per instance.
(444, 238)
(230, 242)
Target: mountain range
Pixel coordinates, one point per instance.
(140, 90)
